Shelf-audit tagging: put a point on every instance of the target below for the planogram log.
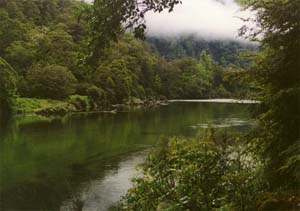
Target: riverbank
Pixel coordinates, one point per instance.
(82, 104)
(78, 103)
(235, 101)
(43, 156)
(48, 107)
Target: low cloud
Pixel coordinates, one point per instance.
(211, 19)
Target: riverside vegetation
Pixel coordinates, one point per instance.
(57, 49)
(45, 50)
(265, 174)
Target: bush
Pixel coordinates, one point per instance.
(195, 175)
(80, 102)
(53, 81)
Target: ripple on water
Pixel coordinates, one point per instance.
(223, 123)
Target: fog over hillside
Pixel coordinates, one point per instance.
(225, 52)
(211, 19)
(208, 19)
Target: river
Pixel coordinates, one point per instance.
(86, 160)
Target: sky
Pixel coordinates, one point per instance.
(210, 19)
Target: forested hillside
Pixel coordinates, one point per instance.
(225, 52)
(48, 46)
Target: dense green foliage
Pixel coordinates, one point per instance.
(53, 81)
(212, 173)
(55, 48)
(166, 177)
(7, 88)
(224, 52)
(50, 46)
(276, 69)
(110, 18)
(39, 39)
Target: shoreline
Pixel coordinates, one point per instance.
(233, 101)
(127, 107)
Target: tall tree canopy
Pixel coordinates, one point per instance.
(47, 43)
(111, 18)
(276, 69)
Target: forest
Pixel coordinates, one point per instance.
(225, 52)
(66, 56)
(45, 51)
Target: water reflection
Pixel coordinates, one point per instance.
(102, 193)
(46, 163)
(225, 123)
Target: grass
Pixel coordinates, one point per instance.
(32, 105)
(74, 97)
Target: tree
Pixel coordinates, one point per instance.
(56, 47)
(13, 10)
(194, 78)
(206, 68)
(222, 51)
(195, 175)
(48, 10)
(108, 17)
(10, 30)
(52, 81)
(20, 55)
(115, 79)
(276, 70)
(170, 78)
(7, 88)
(31, 11)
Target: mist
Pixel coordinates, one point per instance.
(208, 19)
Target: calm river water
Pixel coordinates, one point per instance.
(87, 160)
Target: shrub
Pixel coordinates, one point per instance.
(195, 175)
(80, 102)
(53, 81)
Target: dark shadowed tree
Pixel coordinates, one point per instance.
(7, 88)
(276, 70)
(53, 81)
(110, 18)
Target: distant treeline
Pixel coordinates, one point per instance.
(224, 52)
